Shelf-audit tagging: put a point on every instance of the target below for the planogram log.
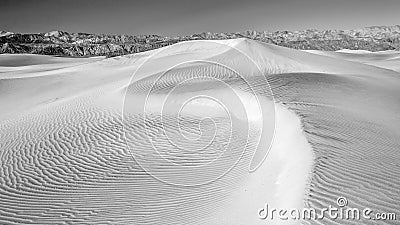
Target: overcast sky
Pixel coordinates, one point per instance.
(177, 17)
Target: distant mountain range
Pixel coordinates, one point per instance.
(376, 38)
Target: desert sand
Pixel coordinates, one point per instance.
(200, 132)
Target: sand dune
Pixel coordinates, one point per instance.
(384, 59)
(18, 60)
(179, 135)
(11, 64)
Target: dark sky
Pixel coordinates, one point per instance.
(176, 17)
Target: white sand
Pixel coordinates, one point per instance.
(383, 59)
(64, 155)
(280, 182)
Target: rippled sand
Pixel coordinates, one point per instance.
(78, 137)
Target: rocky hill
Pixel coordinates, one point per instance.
(377, 38)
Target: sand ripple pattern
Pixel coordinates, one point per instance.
(69, 161)
(211, 91)
(71, 165)
(83, 159)
(357, 152)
